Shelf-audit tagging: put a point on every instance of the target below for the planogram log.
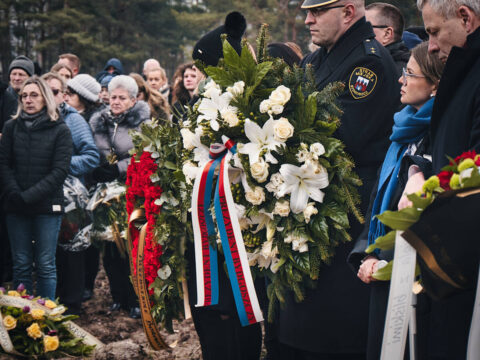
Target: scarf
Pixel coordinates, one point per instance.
(409, 127)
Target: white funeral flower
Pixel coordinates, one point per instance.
(299, 243)
(280, 96)
(259, 170)
(309, 211)
(282, 208)
(255, 196)
(230, 116)
(276, 109)
(189, 139)
(282, 129)
(190, 170)
(302, 183)
(212, 88)
(237, 88)
(276, 180)
(302, 156)
(260, 139)
(317, 150)
(264, 106)
(209, 108)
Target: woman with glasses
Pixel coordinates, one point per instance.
(35, 152)
(419, 81)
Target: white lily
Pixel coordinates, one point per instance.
(209, 108)
(260, 139)
(302, 183)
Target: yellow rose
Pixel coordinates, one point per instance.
(282, 129)
(13, 293)
(34, 331)
(9, 322)
(50, 304)
(37, 314)
(50, 343)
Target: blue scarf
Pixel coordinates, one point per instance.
(410, 126)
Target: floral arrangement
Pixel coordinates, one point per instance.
(155, 184)
(35, 327)
(461, 173)
(293, 185)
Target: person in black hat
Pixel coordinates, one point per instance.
(219, 330)
(331, 323)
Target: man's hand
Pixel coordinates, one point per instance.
(366, 270)
(414, 184)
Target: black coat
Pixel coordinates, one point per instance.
(35, 162)
(8, 104)
(334, 317)
(400, 55)
(455, 125)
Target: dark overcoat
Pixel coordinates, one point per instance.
(333, 318)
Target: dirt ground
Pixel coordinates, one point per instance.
(124, 337)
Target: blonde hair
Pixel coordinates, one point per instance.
(56, 76)
(47, 94)
(163, 74)
(57, 67)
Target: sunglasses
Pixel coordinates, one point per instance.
(380, 26)
(55, 91)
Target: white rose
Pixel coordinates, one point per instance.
(302, 155)
(259, 170)
(271, 187)
(299, 245)
(282, 208)
(317, 150)
(264, 106)
(256, 196)
(190, 171)
(277, 179)
(282, 129)
(237, 88)
(210, 88)
(276, 109)
(188, 139)
(280, 95)
(230, 117)
(309, 211)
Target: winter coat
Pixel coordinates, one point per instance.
(400, 55)
(333, 318)
(85, 155)
(35, 161)
(8, 104)
(118, 69)
(110, 135)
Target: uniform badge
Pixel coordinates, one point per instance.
(362, 82)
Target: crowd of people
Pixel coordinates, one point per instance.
(407, 104)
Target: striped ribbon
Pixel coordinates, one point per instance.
(230, 234)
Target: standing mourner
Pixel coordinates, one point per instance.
(332, 321)
(185, 82)
(71, 60)
(419, 85)
(454, 30)
(111, 129)
(159, 108)
(35, 152)
(82, 94)
(20, 69)
(63, 70)
(85, 157)
(388, 23)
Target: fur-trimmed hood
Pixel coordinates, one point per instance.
(139, 113)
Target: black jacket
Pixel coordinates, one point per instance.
(35, 162)
(455, 126)
(8, 104)
(334, 317)
(400, 55)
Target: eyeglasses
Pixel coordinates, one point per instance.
(320, 10)
(406, 75)
(380, 26)
(55, 91)
(32, 96)
(70, 92)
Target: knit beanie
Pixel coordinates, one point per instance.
(209, 49)
(24, 63)
(106, 80)
(86, 86)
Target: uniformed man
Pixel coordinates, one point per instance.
(331, 323)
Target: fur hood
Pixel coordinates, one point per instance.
(102, 120)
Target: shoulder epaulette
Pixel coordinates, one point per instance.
(371, 47)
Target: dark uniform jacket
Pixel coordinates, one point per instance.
(334, 317)
(34, 162)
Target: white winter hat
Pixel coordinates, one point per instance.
(86, 86)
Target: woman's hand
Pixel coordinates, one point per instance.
(414, 184)
(367, 269)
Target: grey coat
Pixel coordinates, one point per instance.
(111, 133)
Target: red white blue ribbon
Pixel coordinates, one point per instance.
(246, 300)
